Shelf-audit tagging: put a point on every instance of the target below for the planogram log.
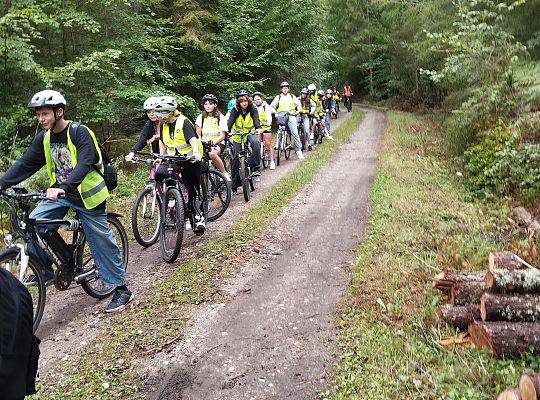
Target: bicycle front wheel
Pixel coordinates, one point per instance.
(171, 233)
(145, 217)
(288, 145)
(244, 179)
(219, 195)
(31, 277)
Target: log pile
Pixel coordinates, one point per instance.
(528, 389)
(500, 308)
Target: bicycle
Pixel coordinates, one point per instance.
(146, 209)
(303, 135)
(284, 137)
(265, 155)
(219, 188)
(73, 261)
(319, 130)
(246, 175)
(347, 102)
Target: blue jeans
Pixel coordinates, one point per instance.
(327, 122)
(101, 241)
(254, 159)
(293, 127)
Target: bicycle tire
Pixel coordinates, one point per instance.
(244, 179)
(288, 148)
(217, 184)
(39, 295)
(170, 253)
(142, 237)
(278, 155)
(264, 158)
(123, 246)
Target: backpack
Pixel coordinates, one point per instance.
(109, 175)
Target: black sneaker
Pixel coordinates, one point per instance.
(32, 281)
(121, 298)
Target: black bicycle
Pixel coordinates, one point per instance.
(284, 137)
(303, 134)
(73, 260)
(347, 102)
(318, 130)
(218, 187)
(246, 174)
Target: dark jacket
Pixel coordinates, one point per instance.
(235, 113)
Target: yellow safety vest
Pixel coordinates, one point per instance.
(244, 124)
(92, 189)
(286, 104)
(306, 108)
(177, 143)
(210, 129)
(265, 121)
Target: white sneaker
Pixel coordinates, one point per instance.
(188, 225)
(227, 176)
(329, 137)
(272, 165)
(257, 179)
(300, 155)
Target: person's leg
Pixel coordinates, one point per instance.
(327, 123)
(237, 147)
(267, 138)
(293, 126)
(255, 159)
(216, 160)
(47, 209)
(307, 130)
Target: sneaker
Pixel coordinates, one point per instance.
(234, 192)
(200, 226)
(257, 178)
(329, 137)
(188, 225)
(256, 173)
(227, 176)
(272, 165)
(300, 155)
(119, 301)
(310, 147)
(32, 281)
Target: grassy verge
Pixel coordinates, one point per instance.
(420, 222)
(109, 367)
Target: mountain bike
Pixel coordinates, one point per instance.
(218, 187)
(146, 209)
(303, 135)
(265, 154)
(246, 174)
(284, 137)
(73, 260)
(347, 102)
(319, 130)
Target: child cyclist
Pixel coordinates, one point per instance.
(265, 116)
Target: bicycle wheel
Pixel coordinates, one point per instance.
(145, 217)
(279, 146)
(219, 195)
(93, 285)
(264, 157)
(244, 179)
(10, 260)
(171, 233)
(288, 145)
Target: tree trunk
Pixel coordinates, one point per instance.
(459, 316)
(449, 277)
(529, 386)
(514, 281)
(504, 260)
(510, 394)
(467, 292)
(501, 307)
(506, 338)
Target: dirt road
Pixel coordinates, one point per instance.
(275, 339)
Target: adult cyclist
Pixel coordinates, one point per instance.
(178, 137)
(347, 97)
(288, 103)
(150, 132)
(244, 118)
(307, 109)
(329, 107)
(265, 117)
(211, 126)
(73, 162)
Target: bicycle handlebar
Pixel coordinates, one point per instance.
(37, 196)
(156, 156)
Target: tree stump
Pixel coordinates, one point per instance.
(506, 338)
(507, 307)
(504, 260)
(459, 316)
(465, 293)
(514, 281)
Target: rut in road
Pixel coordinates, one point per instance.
(275, 339)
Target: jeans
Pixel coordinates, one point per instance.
(293, 127)
(101, 241)
(327, 123)
(305, 120)
(254, 159)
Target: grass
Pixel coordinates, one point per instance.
(420, 222)
(110, 364)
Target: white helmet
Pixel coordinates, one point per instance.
(150, 103)
(312, 87)
(166, 103)
(47, 98)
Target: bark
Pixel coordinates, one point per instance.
(514, 281)
(510, 394)
(447, 278)
(459, 316)
(504, 307)
(504, 260)
(467, 292)
(529, 386)
(508, 339)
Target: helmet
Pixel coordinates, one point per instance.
(166, 103)
(284, 84)
(258, 94)
(150, 103)
(210, 97)
(50, 98)
(329, 91)
(320, 92)
(312, 87)
(304, 91)
(242, 93)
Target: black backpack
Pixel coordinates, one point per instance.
(110, 175)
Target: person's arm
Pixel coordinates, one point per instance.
(274, 102)
(255, 117)
(190, 135)
(232, 118)
(27, 165)
(198, 125)
(312, 106)
(146, 134)
(222, 129)
(269, 111)
(297, 103)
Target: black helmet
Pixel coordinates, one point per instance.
(257, 94)
(210, 97)
(304, 91)
(242, 93)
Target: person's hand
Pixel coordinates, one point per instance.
(157, 161)
(197, 156)
(54, 193)
(129, 156)
(152, 139)
(259, 131)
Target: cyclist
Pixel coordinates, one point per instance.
(211, 126)
(244, 118)
(73, 162)
(150, 132)
(319, 111)
(337, 98)
(347, 96)
(286, 102)
(265, 116)
(329, 107)
(178, 137)
(307, 109)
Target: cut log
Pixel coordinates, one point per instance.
(529, 386)
(508, 307)
(514, 281)
(510, 394)
(447, 278)
(467, 292)
(459, 316)
(504, 260)
(506, 338)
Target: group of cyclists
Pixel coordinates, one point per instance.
(75, 165)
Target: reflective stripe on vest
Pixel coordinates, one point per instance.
(92, 189)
